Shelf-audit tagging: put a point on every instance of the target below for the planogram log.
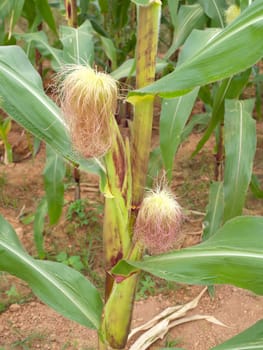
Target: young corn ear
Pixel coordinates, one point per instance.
(88, 100)
(158, 222)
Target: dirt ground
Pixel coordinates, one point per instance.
(26, 323)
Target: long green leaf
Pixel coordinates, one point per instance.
(54, 174)
(250, 339)
(214, 210)
(15, 13)
(62, 288)
(40, 41)
(174, 115)
(233, 255)
(215, 10)
(234, 49)
(110, 50)
(173, 8)
(127, 69)
(217, 113)
(229, 88)
(78, 44)
(24, 99)
(189, 17)
(46, 13)
(240, 146)
(39, 223)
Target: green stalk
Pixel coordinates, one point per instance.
(117, 313)
(146, 50)
(116, 322)
(116, 237)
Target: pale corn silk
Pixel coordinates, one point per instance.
(88, 101)
(159, 221)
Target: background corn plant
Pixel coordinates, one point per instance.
(204, 62)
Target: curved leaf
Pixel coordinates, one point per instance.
(127, 68)
(40, 41)
(234, 49)
(229, 88)
(110, 50)
(188, 18)
(62, 288)
(46, 14)
(250, 339)
(215, 10)
(174, 115)
(214, 210)
(54, 174)
(39, 223)
(240, 147)
(78, 44)
(233, 255)
(24, 99)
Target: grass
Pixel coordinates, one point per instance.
(12, 291)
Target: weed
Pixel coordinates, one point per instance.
(12, 293)
(149, 285)
(169, 343)
(28, 342)
(145, 287)
(82, 213)
(73, 261)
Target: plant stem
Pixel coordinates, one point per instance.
(146, 50)
(117, 313)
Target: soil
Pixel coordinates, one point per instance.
(26, 323)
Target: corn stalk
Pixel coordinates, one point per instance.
(118, 219)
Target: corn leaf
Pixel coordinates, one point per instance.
(46, 13)
(54, 174)
(39, 40)
(233, 255)
(174, 115)
(229, 88)
(234, 49)
(188, 18)
(57, 285)
(127, 68)
(39, 223)
(240, 146)
(215, 10)
(250, 339)
(173, 9)
(256, 187)
(25, 101)
(78, 46)
(214, 210)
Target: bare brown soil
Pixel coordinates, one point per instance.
(26, 323)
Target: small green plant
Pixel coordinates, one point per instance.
(171, 343)
(28, 342)
(78, 213)
(12, 293)
(146, 287)
(73, 261)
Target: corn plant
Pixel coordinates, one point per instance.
(89, 137)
